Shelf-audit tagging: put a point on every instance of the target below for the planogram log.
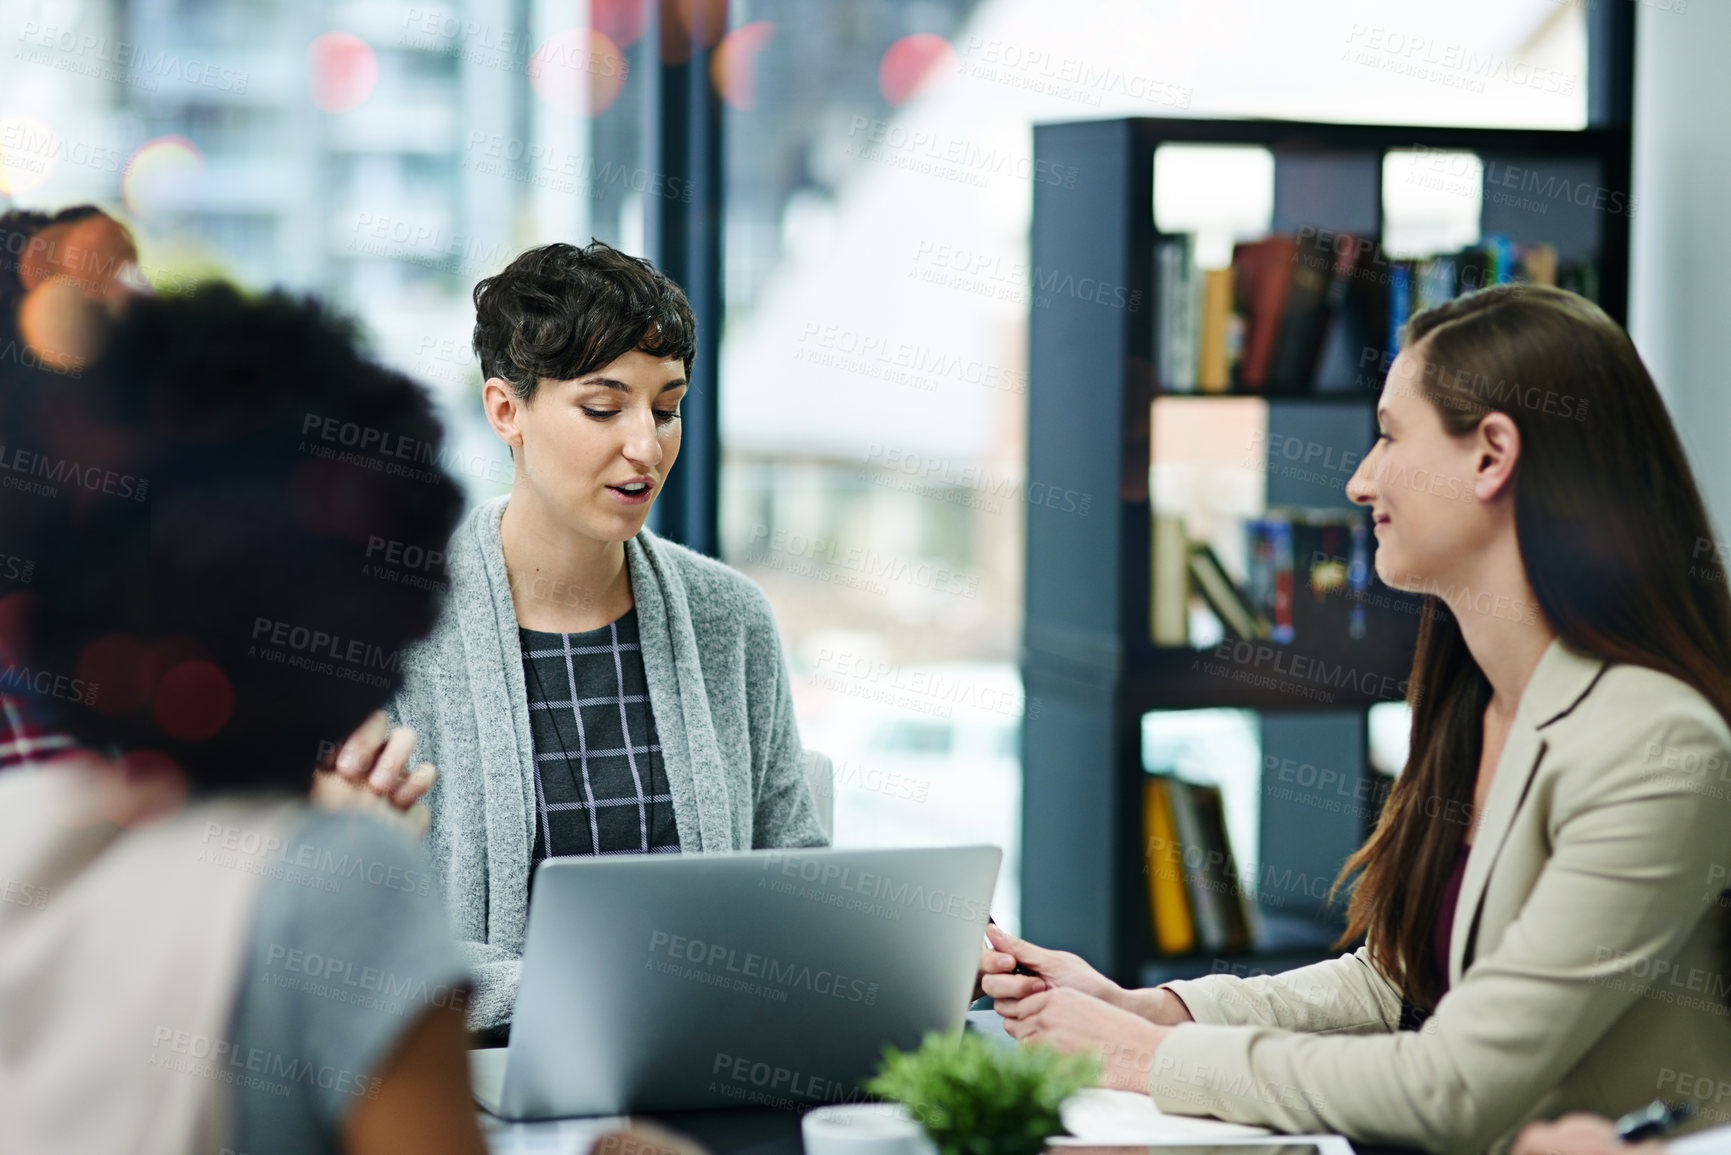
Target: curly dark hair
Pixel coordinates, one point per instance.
(561, 311)
(17, 228)
(227, 525)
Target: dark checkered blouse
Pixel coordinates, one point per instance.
(600, 787)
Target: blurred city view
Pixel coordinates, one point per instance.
(879, 179)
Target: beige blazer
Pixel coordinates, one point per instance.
(1584, 967)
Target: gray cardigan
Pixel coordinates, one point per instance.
(718, 688)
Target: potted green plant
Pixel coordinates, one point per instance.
(977, 1097)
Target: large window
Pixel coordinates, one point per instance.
(879, 187)
(878, 184)
(384, 155)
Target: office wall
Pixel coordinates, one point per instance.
(1680, 278)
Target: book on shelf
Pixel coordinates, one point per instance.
(1220, 870)
(1262, 274)
(1296, 313)
(1180, 570)
(1195, 895)
(1222, 596)
(1296, 293)
(1263, 323)
(1326, 553)
(1400, 290)
(1207, 905)
(1434, 282)
(1579, 277)
(1168, 894)
(1180, 301)
(1221, 335)
(1169, 604)
(1309, 571)
(1541, 265)
(1354, 315)
(1474, 270)
(1271, 574)
(1500, 252)
(1324, 278)
(1495, 261)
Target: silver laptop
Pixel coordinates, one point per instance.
(770, 978)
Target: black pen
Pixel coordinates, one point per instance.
(1020, 969)
(1655, 1119)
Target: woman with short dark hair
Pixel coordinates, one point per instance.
(591, 688)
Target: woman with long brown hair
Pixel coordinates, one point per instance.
(1571, 691)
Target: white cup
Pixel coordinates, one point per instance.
(864, 1129)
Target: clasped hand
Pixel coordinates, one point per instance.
(1067, 1004)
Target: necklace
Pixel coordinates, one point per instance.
(646, 790)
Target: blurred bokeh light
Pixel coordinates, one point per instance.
(344, 71)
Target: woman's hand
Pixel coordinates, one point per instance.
(1576, 1135)
(1071, 1021)
(1052, 969)
(1057, 969)
(370, 773)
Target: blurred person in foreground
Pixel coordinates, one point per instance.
(51, 265)
(591, 688)
(192, 959)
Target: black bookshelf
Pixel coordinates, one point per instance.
(1088, 659)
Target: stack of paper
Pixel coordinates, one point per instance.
(1099, 1118)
